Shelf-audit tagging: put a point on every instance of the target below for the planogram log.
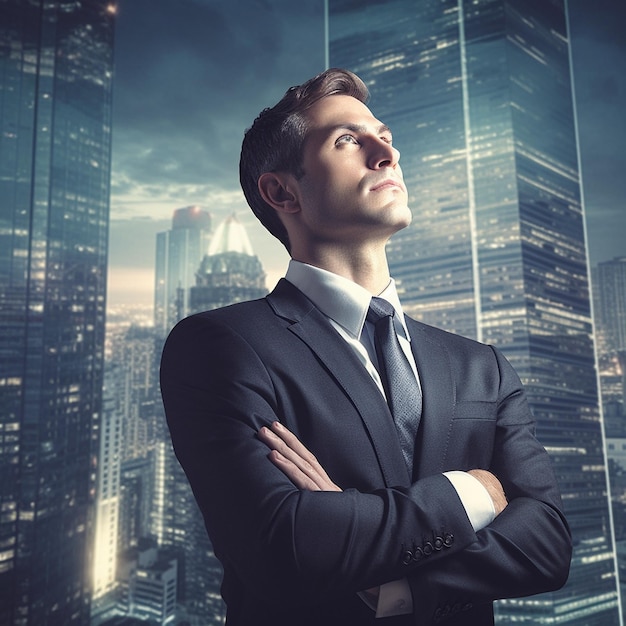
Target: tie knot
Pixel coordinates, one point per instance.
(379, 309)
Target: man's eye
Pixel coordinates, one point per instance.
(346, 139)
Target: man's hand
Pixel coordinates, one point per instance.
(302, 469)
(493, 486)
(294, 460)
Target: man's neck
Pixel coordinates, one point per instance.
(366, 267)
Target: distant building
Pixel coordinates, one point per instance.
(609, 290)
(134, 355)
(178, 253)
(108, 492)
(56, 69)
(479, 97)
(229, 272)
(133, 362)
(152, 584)
(610, 311)
(128, 510)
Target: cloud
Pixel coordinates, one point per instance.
(192, 75)
(599, 56)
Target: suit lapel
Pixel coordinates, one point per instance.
(431, 358)
(313, 328)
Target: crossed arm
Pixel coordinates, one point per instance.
(305, 472)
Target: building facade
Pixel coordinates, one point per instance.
(479, 97)
(152, 586)
(610, 302)
(609, 288)
(178, 252)
(108, 493)
(56, 63)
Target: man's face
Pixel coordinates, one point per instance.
(352, 189)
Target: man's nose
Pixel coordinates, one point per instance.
(383, 154)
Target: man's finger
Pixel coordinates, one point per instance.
(296, 461)
(293, 472)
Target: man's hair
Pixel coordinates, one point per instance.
(274, 142)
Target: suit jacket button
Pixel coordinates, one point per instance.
(438, 543)
(418, 554)
(428, 548)
(407, 557)
(448, 540)
(441, 613)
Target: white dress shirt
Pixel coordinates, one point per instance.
(345, 304)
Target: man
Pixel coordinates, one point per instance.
(329, 497)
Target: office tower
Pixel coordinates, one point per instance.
(134, 353)
(152, 583)
(230, 271)
(56, 61)
(178, 252)
(135, 501)
(107, 493)
(610, 311)
(609, 289)
(479, 97)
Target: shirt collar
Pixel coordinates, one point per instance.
(339, 298)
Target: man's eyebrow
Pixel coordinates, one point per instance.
(359, 128)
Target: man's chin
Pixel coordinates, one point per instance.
(405, 218)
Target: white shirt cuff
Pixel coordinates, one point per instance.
(474, 497)
(395, 598)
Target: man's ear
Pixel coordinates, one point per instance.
(276, 190)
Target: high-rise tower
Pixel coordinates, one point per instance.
(56, 62)
(178, 252)
(479, 97)
(610, 283)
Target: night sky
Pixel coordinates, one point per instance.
(191, 75)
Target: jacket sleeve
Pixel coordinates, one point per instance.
(289, 545)
(527, 548)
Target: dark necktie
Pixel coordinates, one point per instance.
(403, 393)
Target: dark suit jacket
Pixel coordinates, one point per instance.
(293, 557)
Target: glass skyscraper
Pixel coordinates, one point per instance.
(178, 253)
(610, 280)
(478, 94)
(56, 61)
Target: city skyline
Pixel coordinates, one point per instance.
(191, 76)
(176, 137)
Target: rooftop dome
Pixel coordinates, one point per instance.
(230, 236)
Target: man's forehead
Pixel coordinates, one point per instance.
(341, 111)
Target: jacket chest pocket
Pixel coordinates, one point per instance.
(472, 435)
